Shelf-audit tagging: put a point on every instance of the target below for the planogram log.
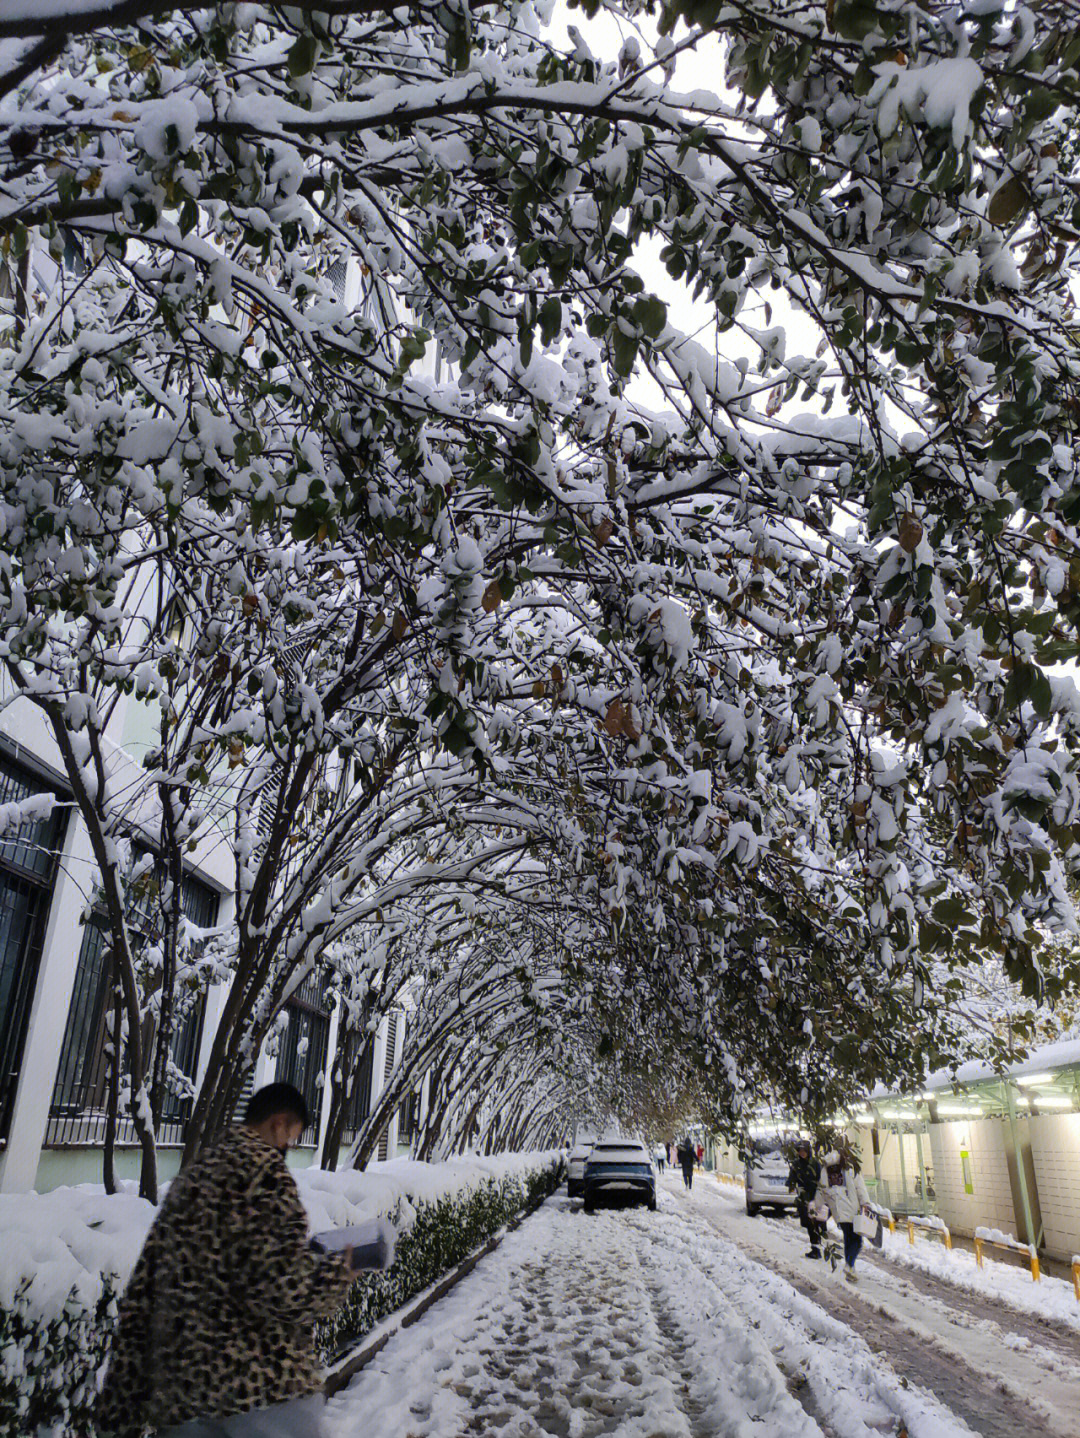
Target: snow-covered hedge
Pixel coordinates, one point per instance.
(66, 1255)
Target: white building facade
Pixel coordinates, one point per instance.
(54, 988)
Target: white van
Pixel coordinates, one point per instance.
(575, 1167)
(767, 1176)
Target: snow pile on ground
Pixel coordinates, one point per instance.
(1005, 1281)
(1002, 1279)
(1005, 1240)
(61, 1245)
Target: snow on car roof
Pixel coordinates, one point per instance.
(629, 1151)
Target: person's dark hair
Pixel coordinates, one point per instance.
(277, 1098)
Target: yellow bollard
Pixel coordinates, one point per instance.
(1076, 1280)
(911, 1233)
(1036, 1273)
(978, 1252)
(948, 1239)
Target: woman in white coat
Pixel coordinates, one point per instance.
(843, 1192)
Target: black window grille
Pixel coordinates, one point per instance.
(77, 1113)
(360, 1099)
(28, 860)
(405, 1108)
(302, 1052)
(408, 1118)
(389, 1062)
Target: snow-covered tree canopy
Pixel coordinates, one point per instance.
(343, 417)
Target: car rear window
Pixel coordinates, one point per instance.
(772, 1146)
(618, 1153)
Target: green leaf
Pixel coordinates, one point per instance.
(550, 319)
(1042, 694)
(626, 348)
(301, 58)
(1019, 685)
(651, 314)
(1007, 201)
(951, 912)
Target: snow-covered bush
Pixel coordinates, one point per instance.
(67, 1256)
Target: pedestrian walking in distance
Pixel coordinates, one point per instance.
(686, 1161)
(214, 1338)
(661, 1157)
(844, 1193)
(803, 1179)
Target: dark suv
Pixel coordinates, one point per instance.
(619, 1170)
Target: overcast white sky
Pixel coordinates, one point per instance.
(698, 69)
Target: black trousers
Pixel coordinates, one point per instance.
(688, 1175)
(814, 1228)
(852, 1243)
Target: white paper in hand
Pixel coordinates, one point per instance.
(372, 1242)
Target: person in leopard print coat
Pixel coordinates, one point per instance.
(218, 1316)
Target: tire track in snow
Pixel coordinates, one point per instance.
(855, 1391)
(984, 1402)
(965, 1308)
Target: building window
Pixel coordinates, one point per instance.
(360, 1098)
(77, 1114)
(302, 1052)
(389, 1064)
(28, 860)
(408, 1118)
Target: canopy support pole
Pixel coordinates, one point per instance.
(1021, 1167)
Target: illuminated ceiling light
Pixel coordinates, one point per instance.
(959, 1111)
(1029, 1079)
(1053, 1100)
(1023, 1103)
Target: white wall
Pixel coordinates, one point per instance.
(990, 1204)
(48, 1013)
(1055, 1150)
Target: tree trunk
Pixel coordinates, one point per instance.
(172, 915)
(112, 1086)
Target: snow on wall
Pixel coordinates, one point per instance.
(63, 1242)
(990, 1204)
(1055, 1150)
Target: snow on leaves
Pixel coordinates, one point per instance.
(324, 431)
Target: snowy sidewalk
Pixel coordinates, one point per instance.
(1006, 1371)
(637, 1325)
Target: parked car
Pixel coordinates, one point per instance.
(767, 1177)
(619, 1170)
(575, 1168)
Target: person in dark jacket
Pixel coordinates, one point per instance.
(687, 1158)
(803, 1179)
(215, 1335)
